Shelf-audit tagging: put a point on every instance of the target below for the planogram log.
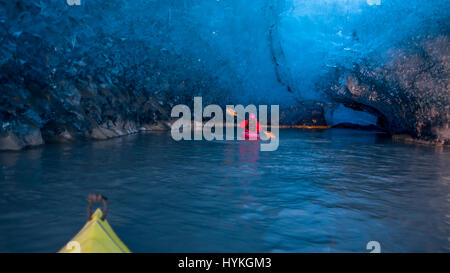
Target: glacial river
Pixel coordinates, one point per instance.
(321, 191)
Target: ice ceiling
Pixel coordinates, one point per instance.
(277, 50)
(259, 50)
(107, 66)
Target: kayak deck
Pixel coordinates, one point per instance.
(96, 236)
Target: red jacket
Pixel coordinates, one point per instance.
(245, 124)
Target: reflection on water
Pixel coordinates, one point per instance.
(327, 191)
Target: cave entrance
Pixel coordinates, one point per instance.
(355, 115)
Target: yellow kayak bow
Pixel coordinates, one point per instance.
(96, 236)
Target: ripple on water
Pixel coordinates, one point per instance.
(328, 191)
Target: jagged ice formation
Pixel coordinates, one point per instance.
(109, 68)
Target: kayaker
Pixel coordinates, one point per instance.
(251, 126)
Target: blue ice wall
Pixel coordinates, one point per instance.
(254, 50)
(315, 35)
(277, 50)
(90, 70)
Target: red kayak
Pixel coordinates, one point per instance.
(251, 136)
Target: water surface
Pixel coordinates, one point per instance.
(321, 191)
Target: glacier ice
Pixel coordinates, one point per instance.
(343, 114)
(80, 66)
